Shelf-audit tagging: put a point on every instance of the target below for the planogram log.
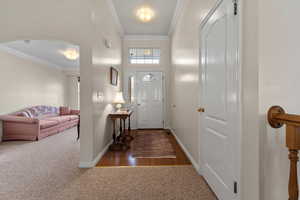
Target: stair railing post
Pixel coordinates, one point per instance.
(277, 118)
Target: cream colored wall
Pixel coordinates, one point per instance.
(70, 16)
(81, 22)
(279, 82)
(250, 171)
(185, 71)
(25, 83)
(103, 59)
(186, 89)
(72, 92)
(164, 66)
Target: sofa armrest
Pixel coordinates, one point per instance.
(75, 112)
(17, 119)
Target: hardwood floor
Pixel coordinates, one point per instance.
(111, 158)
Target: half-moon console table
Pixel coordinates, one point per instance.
(277, 118)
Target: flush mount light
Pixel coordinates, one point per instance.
(71, 54)
(145, 14)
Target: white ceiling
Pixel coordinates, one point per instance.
(48, 52)
(44, 51)
(160, 25)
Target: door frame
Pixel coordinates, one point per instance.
(238, 138)
(134, 72)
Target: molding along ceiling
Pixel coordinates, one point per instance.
(115, 16)
(50, 53)
(146, 37)
(181, 4)
(22, 55)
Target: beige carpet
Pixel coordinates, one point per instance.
(37, 170)
(152, 145)
(47, 170)
(140, 183)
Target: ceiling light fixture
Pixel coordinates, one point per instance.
(71, 54)
(145, 14)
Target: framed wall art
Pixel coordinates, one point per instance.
(114, 76)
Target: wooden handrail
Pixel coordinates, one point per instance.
(277, 118)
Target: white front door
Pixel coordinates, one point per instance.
(149, 100)
(220, 95)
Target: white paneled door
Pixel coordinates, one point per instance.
(149, 100)
(220, 94)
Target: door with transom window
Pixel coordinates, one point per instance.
(150, 97)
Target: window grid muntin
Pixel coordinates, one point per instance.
(144, 55)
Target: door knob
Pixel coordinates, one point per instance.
(201, 110)
(139, 104)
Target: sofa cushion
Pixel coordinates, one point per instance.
(75, 112)
(73, 117)
(23, 114)
(46, 116)
(64, 110)
(38, 111)
(60, 119)
(47, 123)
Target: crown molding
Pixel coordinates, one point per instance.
(146, 37)
(71, 72)
(177, 14)
(29, 57)
(113, 11)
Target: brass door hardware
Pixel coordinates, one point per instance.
(201, 110)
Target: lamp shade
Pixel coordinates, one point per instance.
(119, 99)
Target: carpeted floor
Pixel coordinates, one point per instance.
(47, 170)
(37, 170)
(138, 183)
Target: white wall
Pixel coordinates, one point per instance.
(25, 83)
(185, 87)
(103, 58)
(73, 98)
(81, 22)
(278, 85)
(250, 173)
(163, 66)
(185, 71)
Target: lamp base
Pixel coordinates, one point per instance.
(119, 106)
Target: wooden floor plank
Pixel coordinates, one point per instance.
(111, 158)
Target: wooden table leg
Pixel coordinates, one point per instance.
(121, 128)
(78, 130)
(115, 146)
(129, 127)
(114, 131)
(127, 137)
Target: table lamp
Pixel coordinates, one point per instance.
(119, 100)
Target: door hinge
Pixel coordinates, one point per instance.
(235, 187)
(235, 7)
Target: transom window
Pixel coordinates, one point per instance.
(144, 56)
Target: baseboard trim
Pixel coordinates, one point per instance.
(96, 160)
(194, 163)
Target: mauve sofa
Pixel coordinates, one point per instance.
(38, 122)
